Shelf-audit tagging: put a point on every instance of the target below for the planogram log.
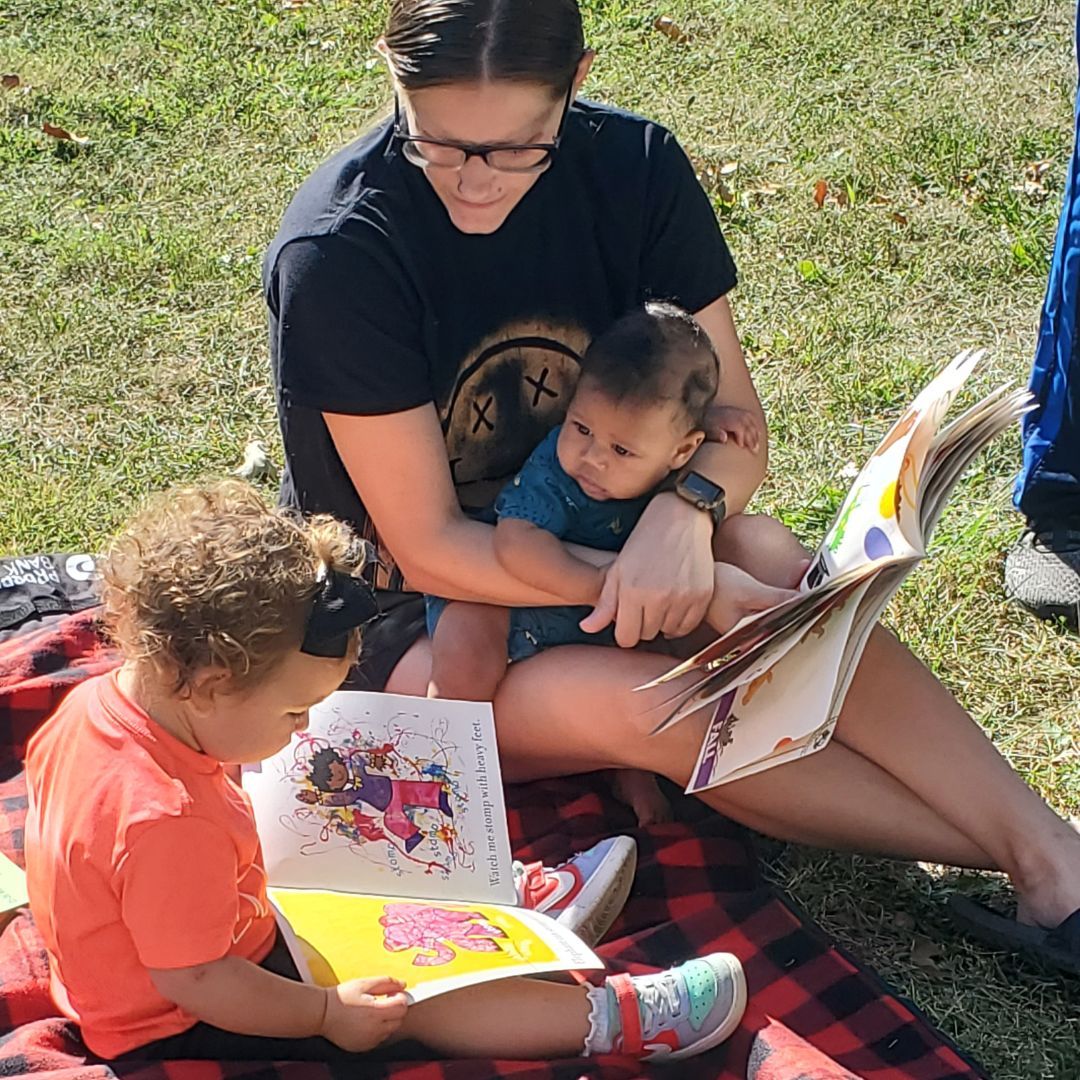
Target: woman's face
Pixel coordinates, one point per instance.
(478, 198)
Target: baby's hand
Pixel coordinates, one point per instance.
(362, 1013)
(741, 426)
(310, 797)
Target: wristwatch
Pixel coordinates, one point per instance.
(701, 492)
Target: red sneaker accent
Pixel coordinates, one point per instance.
(539, 885)
(631, 1041)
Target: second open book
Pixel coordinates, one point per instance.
(776, 682)
(385, 842)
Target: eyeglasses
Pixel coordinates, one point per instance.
(428, 153)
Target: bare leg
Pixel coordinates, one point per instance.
(835, 798)
(907, 774)
(520, 1018)
(762, 546)
(469, 652)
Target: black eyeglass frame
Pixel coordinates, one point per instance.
(481, 150)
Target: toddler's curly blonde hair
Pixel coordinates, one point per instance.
(212, 576)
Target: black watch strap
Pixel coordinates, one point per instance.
(702, 493)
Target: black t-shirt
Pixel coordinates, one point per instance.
(379, 304)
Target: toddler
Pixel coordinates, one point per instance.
(636, 418)
(143, 865)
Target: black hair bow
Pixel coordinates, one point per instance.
(342, 604)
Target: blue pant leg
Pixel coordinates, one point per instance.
(1048, 488)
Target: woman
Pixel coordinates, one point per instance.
(430, 290)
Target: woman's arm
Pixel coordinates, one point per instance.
(398, 464)
(737, 470)
(535, 555)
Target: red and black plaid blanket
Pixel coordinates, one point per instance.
(814, 1013)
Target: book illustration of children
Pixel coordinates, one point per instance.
(436, 933)
(638, 415)
(337, 783)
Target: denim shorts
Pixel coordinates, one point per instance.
(534, 629)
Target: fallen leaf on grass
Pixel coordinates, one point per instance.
(899, 218)
(671, 29)
(821, 189)
(1033, 186)
(902, 920)
(63, 134)
(927, 955)
(257, 464)
(10, 82)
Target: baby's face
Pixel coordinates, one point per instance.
(620, 450)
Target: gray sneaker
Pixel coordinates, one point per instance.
(1042, 572)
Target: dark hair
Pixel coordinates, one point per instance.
(321, 761)
(659, 353)
(436, 42)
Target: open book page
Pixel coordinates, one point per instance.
(880, 515)
(781, 707)
(779, 678)
(389, 795)
(434, 947)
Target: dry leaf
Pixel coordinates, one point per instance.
(902, 920)
(821, 189)
(877, 199)
(257, 464)
(671, 29)
(728, 168)
(63, 134)
(898, 217)
(927, 954)
(843, 199)
(1033, 186)
(10, 82)
(765, 189)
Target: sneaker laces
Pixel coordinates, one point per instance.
(661, 1003)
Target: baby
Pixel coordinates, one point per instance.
(637, 417)
(144, 870)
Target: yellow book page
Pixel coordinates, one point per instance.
(12, 885)
(432, 946)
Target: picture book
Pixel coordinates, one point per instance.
(384, 835)
(776, 682)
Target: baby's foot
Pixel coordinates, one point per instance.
(641, 792)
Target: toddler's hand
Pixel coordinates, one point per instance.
(741, 426)
(362, 1013)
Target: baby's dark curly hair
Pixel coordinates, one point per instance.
(213, 576)
(657, 353)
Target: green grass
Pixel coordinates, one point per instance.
(132, 351)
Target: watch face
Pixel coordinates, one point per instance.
(702, 489)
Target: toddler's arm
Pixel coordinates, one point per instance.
(540, 558)
(356, 1016)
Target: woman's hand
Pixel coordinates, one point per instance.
(362, 1013)
(662, 580)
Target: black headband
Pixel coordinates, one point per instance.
(342, 604)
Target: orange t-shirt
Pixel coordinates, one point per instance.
(140, 853)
